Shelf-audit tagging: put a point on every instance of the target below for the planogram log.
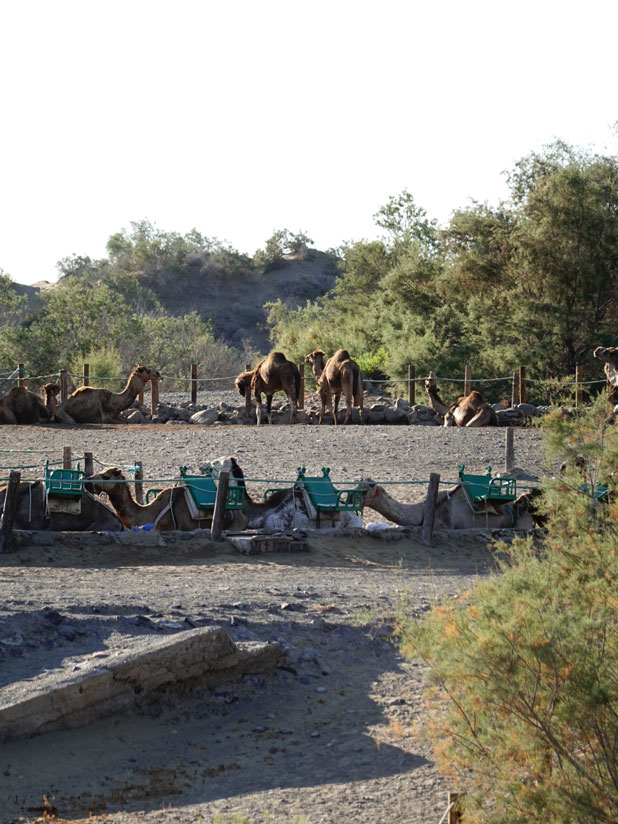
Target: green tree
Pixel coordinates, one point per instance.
(523, 670)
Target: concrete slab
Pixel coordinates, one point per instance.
(124, 681)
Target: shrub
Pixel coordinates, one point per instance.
(105, 362)
(523, 670)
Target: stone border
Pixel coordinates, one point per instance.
(125, 681)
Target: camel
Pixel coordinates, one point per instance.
(340, 374)
(32, 513)
(609, 354)
(284, 509)
(20, 406)
(470, 410)
(274, 374)
(453, 509)
(90, 405)
(52, 390)
(167, 511)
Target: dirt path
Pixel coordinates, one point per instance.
(333, 736)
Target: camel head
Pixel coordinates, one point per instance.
(243, 383)
(226, 463)
(609, 354)
(105, 480)
(144, 374)
(431, 383)
(316, 359)
(51, 390)
(449, 418)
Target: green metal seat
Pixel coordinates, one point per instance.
(66, 483)
(485, 488)
(324, 497)
(202, 493)
(601, 493)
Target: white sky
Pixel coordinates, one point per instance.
(240, 117)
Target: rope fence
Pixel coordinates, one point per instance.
(519, 382)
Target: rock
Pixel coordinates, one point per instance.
(395, 415)
(375, 415)
(136, 416)
(402, 403)
(205, 417)
(529, 410)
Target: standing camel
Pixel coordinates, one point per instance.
(339, 375)
(609, 354)
(90, 405)
(469, 411)
(274, 374)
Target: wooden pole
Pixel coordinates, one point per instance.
(579, 375)
(139, 486)
(8, 512)
(86, 374)
(455, 814)
(467, 380)
(509, 453)
(523, 389)
(248, 393)
(515, 391)
(20, 374)
(430, 508)
(64, 389)
(154, 395)
(66, 457)
(219, 510)
(88, 464)
(194, 383)
(411, 384)
(301, 394)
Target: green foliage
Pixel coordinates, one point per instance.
(105, 362)
(282, 242)
(373, 364)
(523, 670)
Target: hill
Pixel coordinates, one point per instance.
(232, 299)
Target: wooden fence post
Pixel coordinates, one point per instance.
(509, 454)
(154, 395)
(523, 389)
(467, 380)
(455, 814)
(64, 389)
(219, 510)
(579, 374)
(20, 374)
(66, 457)
(515, 391)
(248, 393)
(139, 486)
(430, 508)
(301, 396)
(411, 385)
(8, 511)
(194, 383)
(86, 374)
(88, 464)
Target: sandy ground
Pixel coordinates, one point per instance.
(335, 736)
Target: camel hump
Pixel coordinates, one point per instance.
(277, 357)
(341, 355)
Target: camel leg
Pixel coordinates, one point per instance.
(269, 403)
(358, 401)
(64, 417)
(336, 409)
(326, 398)
(258, 407)
(348, 408)
(294, 409)
(482, 418)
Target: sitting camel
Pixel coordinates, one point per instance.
(609, 354)
(340, 374)
(453, 509)
(20, 406)
(274, 374)
(32, 512)
(169, 510)
(471, 410)
(284, 509)
(90, 405)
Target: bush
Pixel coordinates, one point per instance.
(104, 362)
(523, 670)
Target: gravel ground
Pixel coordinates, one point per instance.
(336, 735)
